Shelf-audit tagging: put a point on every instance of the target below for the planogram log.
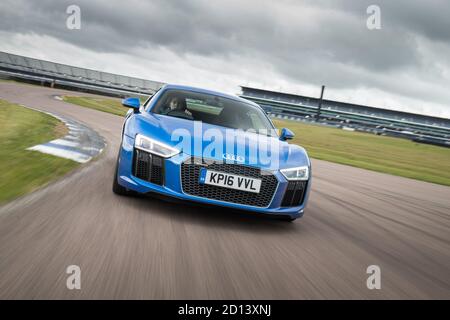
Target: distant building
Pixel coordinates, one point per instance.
(413, 126)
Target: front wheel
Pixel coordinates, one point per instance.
(116, 187)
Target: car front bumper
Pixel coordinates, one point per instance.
(172, 186)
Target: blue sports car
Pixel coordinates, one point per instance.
(202, 146)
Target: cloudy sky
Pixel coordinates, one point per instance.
(292, 46)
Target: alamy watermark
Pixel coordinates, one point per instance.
(73, 21)
(373, 21)
(374, 280)
(230, 145)
(74, 279)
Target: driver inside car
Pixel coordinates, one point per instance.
(177, 107)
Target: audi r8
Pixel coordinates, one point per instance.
(203, 146)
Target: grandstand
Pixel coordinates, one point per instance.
(420, 128)
(51, 73)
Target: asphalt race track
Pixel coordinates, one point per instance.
(147, 248)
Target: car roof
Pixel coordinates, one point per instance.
(206, 91)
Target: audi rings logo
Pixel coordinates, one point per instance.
(232, 157)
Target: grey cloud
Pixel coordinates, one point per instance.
(206, 29)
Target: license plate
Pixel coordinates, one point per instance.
(231, 181)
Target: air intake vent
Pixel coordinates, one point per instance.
(295, 193)
(148, 167)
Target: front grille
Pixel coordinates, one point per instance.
(148, 167)
(190, 173)
(294, 195)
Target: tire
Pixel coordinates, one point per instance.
(116, 187)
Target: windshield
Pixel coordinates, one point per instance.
(214, 110)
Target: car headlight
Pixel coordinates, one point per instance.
(153, 146)
(299, 173)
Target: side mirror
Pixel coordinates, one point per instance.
(132, 103)
(286, 134)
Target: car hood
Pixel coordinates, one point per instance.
(220, 143)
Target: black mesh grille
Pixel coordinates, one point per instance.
(148, 167)
(294, 194)
(157, 172)
(190, 173)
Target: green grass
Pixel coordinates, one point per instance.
(18, 82)
(22, 170)
(378, 153)
(109, 105)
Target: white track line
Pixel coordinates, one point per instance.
(62, 153)
(80, 144)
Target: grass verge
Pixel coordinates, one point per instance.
(109, 105)
(23, 171)
(395, 156)
(378, 153)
